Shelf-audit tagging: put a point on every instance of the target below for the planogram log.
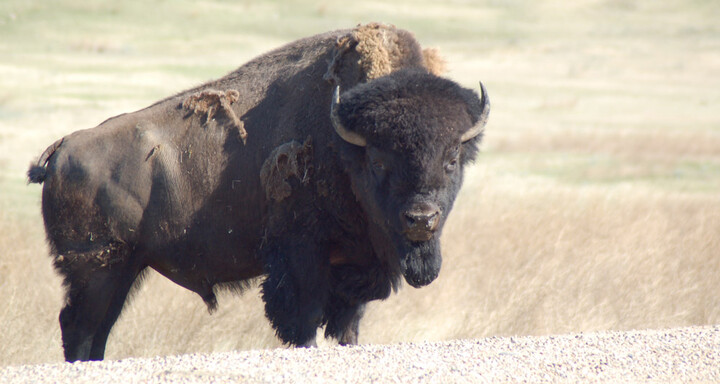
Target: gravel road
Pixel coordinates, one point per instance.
(674, 355)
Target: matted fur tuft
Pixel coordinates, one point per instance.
(376, 50)
(376, 44)
(211, 101)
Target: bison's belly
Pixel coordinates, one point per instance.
(210, 251)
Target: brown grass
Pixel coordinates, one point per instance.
(595, 204)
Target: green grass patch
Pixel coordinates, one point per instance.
(574, 169)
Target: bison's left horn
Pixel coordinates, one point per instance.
(482, 120)
(346, 134)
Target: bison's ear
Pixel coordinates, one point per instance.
(479, 126)
(346, 134)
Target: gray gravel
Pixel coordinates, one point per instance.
(675, 355)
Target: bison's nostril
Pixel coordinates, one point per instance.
(424, 219)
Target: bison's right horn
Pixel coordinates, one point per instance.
(346, 134)
(482, 120)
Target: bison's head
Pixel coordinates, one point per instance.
(406, 139)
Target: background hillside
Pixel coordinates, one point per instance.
(595, 204)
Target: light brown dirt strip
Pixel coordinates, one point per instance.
(675, 355)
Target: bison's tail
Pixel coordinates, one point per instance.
(38, 171)
(36, 174)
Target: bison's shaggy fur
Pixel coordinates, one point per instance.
(330, 223)
(389, 110)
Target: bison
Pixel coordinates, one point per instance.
(327, 166)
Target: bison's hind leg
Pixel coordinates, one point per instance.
(98, 283)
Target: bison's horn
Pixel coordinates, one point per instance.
(346, 134)
(482, 120)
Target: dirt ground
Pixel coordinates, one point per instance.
(684, 355)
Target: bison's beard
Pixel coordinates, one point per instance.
(420, 262)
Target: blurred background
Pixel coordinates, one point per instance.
(594, 205)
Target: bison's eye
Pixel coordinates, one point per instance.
(378, 165)
(379, 169)
(451, 165)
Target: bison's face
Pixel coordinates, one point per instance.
(408, 137)
(408, 198)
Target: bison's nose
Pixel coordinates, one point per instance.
(421, 221)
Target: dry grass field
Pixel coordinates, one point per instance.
(595, 204)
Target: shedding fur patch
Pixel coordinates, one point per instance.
(380, 51)
(434, 62)
(101, 257)
(211, 101)
(291, 159)
(376, 44)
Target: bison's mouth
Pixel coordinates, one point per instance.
(419, 235)
(420, 221)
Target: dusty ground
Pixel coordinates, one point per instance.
(676, 355)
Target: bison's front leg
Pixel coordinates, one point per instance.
(295, 291)
(343, 321)
(353, 286)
